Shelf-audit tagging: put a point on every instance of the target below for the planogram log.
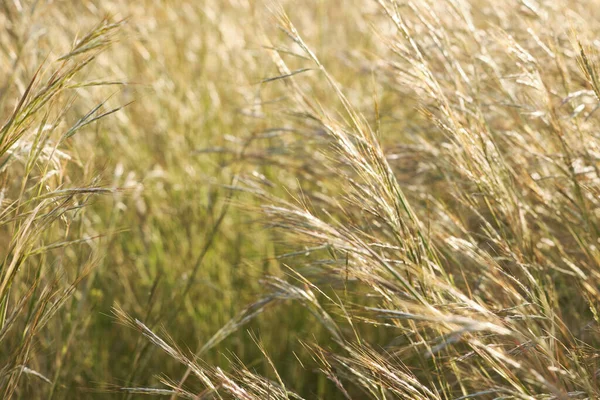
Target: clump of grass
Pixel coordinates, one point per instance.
(406, 194)
(480, 260)
(39, 206)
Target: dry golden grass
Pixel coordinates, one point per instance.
(252, 200)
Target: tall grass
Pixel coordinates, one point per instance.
(353, 200)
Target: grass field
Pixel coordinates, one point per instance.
(238, 199)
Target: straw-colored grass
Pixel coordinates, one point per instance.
(320, 199)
